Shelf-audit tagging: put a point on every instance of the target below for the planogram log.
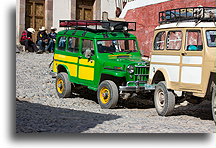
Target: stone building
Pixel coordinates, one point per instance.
(38, 13)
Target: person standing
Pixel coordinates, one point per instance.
(52, 39)
(42, 39)
(26, 40)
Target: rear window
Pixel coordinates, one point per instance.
(210, 37)
(159, 41)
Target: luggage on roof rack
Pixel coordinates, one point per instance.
(207, 14)
(99, 25)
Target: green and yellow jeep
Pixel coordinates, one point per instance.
(102, 56)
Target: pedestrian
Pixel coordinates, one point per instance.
(52, 39)
(42, 39)
(26, 40)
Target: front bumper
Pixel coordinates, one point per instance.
(136, 86)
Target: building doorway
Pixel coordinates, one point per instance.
(84, 9)
(35, 15)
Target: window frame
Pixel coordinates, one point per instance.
(63, 49)
(82, 41)
(76, 38)
(181, 40)
(207, 39)
(164, 47)
(186, 39)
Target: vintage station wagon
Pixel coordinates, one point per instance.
(102, 56)
(183, 61)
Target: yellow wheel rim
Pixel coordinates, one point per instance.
(104, 95)
(60, 86)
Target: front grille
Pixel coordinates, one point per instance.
(141, 73)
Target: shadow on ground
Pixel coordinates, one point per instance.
(202, 110)
(34, 118)
(142, 101)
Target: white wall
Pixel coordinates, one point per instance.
(61, 11)
(139, 3)
(108, 6)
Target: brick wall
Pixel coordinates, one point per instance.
(147, 19)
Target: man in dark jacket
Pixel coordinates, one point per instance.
(42, 39)
(52, 39)
(26, 40)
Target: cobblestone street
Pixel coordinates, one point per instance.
(38, 109)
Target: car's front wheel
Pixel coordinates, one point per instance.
(107, 94)
(164, 100)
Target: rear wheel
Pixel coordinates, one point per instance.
(214, 104)
(164, 100)
(63, 85)
(107, 94)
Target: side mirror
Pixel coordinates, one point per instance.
(88, 53)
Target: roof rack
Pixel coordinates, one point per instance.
(99, 25)
(206, 14)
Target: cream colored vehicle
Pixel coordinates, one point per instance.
(183, 62)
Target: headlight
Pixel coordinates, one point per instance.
(130, 69)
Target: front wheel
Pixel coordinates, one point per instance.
(164, 100)
(214, 103)
(107, 94)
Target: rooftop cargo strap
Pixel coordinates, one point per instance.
(205, 14)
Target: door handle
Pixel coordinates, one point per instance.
(184, 54)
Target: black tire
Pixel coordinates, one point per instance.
(107, 94)
(214, 103)
(63, 85)
(164, 100)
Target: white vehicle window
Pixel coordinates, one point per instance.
(194, 40)
(211, 35)
(159, 41)
(174, 40)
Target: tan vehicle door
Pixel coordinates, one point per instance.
(191, 67)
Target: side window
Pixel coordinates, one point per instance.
(159, 41)
(174, 40)
(87, 45)
(73, 44)
(211, 38)
(62, 43)
(194, 40)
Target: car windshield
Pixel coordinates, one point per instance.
(111, 46)
(211, 35)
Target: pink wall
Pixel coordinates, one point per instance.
(147, 19)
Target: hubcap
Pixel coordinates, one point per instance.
(104, 95)
(161, 98)
(60, 86)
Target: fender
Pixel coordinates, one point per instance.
(114, 73)
(165, 74)
(64, 67)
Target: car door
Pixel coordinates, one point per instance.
(192, 61)
(86, 66)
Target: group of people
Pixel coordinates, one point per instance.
(45, 42)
